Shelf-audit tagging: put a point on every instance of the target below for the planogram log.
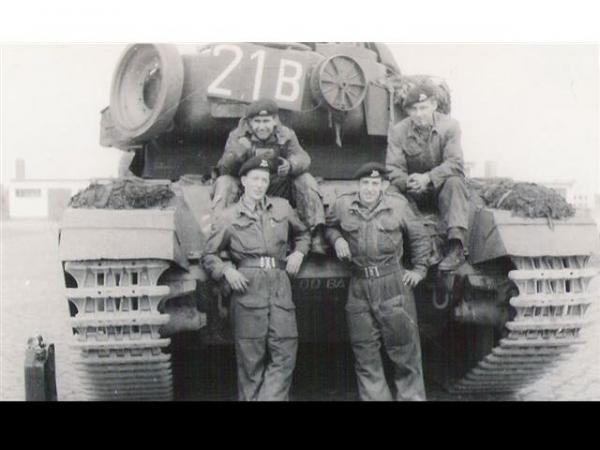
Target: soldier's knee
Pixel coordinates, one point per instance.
(226, 181)
(454, 184)
(360, 326)
(306, 181)
(302, 181)
(225, 190)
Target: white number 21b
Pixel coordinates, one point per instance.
(287, 87)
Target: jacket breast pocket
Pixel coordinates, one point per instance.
(350, 224)
(412, 149)
(244, 236)
(350, 230)
(389, 236)
(279, 227)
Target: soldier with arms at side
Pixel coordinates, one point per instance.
(368, 228)
(426, 161)
(248, 250)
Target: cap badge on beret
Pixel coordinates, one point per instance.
(375, 173)
(264, 163)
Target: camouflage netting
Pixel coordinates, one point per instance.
(523, 199)
(123, 194)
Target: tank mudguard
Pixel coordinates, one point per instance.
(93, 234)
(496, 233)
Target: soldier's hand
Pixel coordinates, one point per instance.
(294, 261)
(342, 249)
(411, 184)
(245, 142)
(236, 280)
(411, 278)
(284, 168)
(418, 182)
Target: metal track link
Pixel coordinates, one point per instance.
(550, 312)
(116, 329)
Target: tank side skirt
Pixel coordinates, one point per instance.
(550, 308)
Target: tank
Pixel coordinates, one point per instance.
(132, 266)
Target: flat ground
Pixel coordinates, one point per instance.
(32, 302)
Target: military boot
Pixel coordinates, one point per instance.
(455, 257)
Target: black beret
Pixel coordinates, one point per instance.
(371, 169)
(419, 93)
(262, 107)
(256, 163)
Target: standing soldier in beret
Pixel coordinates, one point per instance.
(426, 160)
(368, 228)
(260, 133)
(253, 233)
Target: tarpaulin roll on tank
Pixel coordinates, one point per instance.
(523, 199)
(124, 194)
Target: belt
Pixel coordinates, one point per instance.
(262, 262)
(375, 271)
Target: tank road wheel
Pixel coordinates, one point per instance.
(116, 323)
(340, 82)
(550, 308)
(146, 89)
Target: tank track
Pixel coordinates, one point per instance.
(119, 353)
(550, 311)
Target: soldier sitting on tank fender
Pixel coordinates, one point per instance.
(425, 157)
(261, 134)
(253, 234)
(368, 227)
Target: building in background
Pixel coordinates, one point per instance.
(564, 188)
(491, 169)
(3, 202)
(39, 199)
(596, 210)
(580, 200)
(468, 168)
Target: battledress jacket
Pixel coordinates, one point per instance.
(240, 234)
(377, 237)
(440, 155)
(242, 144)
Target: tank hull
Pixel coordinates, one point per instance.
(464, 317)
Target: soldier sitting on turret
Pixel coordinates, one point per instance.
(261, 134)
(425, 158)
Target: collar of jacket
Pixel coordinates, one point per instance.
(355, 205)
(277, 137)
(434, 128)
(244, 209)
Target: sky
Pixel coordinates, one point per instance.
(533, 109)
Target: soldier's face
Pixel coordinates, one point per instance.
(370, 189)
(256, 183)
(262, 126)
(422, 113)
